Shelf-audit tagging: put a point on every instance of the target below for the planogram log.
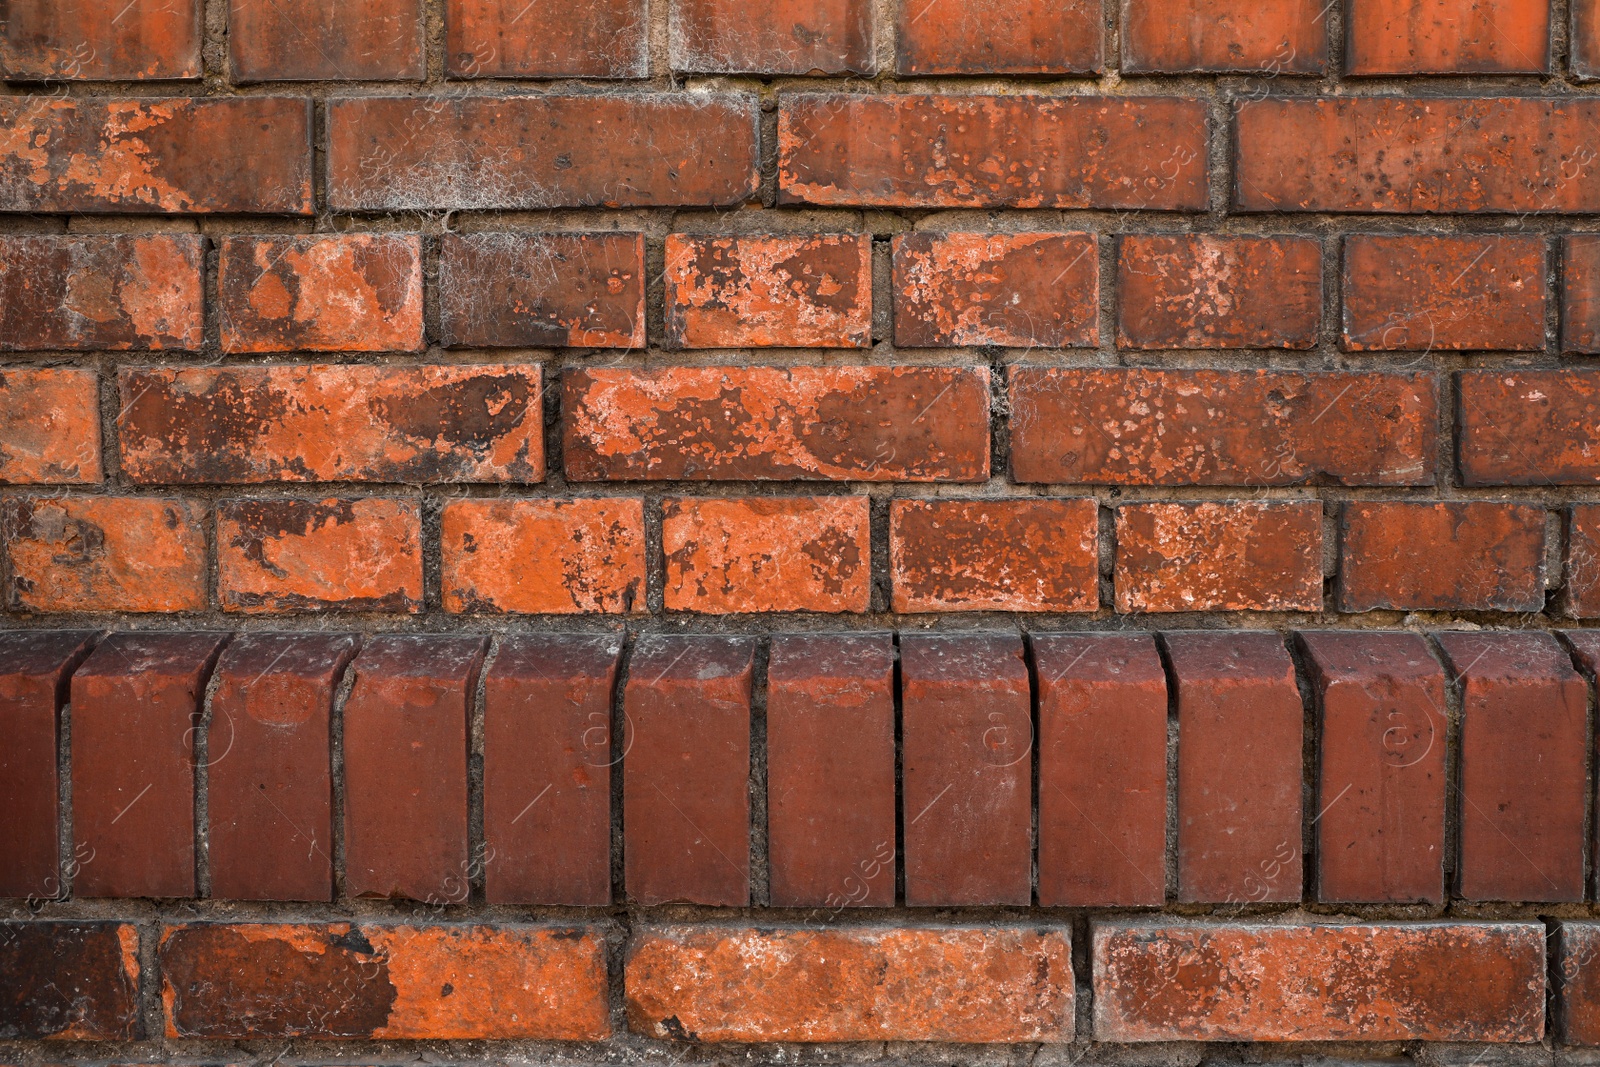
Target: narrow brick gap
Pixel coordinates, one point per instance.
(552, 378)
(1332, 326)
(1311, 799)
(880, 520)
(433, 45)
(1453, 713)
(767, 152)
(655, 564)
(66, 841)
(899, 777)
(1107, 246)
(1591, 880)
(204, 720)
(1106, 516)
(760, 874)
(430, 516)
(321, 210)
(1033, 767)
(1560, 44)
(341, 697)
(478, 853)
(1219, 152)
(1333, 13)
(999, 416)
(1171, 851)
(621, 738)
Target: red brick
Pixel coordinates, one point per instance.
(1448, 37)
(1385, 154)
(1020, 290)
(90, 40)
(1583, 561)
(1450, 556)
(315, 40)
(136, 704)
(864, 424)
(966, 743)
(1143, 426)
(319, 555)
(766, 292)
(1228, 556)
(544, 557)
(1240, 731)
(547, 758)
(1425, 981)
(510, 39)
(831, 770)
(1276, 37)
(546, 151)
(998, 37)
(1524, 712)
(1208, 291)
(1433, 293)
(357, 292)
(76, 981)
(777, 37)
(318, 423)
(405, 767)
(767, 554)
(269, 766)
(153, 156)
(992, 151)
(101, 292)
(105, 554)
(49, 426)
(34, 669)
(1529, 427)
(968, 984)
(1032, 554)
(686, 770)
(1577, 983)
(1584, 39)
(386, 983)
(1381, 784)
(1102, 770)
(579, 290)
(1580, 293)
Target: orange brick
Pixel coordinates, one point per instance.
(49, 426)
(91, 40)
(513, 39)
(1270, 37)
(1021, 290)
(776, 37)
(1207, 291)
(315, 40)
(998, 36)
(1447, 37)
(1458, 555)
(1233, 556)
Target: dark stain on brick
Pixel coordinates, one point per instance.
(71, 980)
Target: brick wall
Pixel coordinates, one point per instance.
(820, 531)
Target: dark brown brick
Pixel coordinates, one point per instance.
(90, 40)
(1443, 293)
(998, 37)
(49, 426)
(1576, 977)
(1269, 38)
(1232, 555)
(1448, 37)
(1580, 294)
(318, 40)
(1582, 599)
(777, 37)
(1209, 291)
(73, 981)
(510, 39)
(1472, 555)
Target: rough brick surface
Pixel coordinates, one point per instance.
(997, 36)
(1218, 292)
(49, 426)
(1276, 37)
(1576, 975)
(75, 981)
(1529, 427)
(544, 557)
(90, 40)
(101, 292)
(1585, 39)
(1459, 555)
(510, 39)
(1242, 556)
(778, 37)
(1448, 37)
(1583, 561)
(1580, 294)
(310, 40)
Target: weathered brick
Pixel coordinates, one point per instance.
(547, 758)
(269, 766)
(1102, 769)
(831, 770)
(1271, 38)
(1032, 554)
(504, 290)
(1523, 718)
(966, 743)
(1424, 981)
(49, 426)
(105, 554)
(992, 151)
(1448, 37)
(75, 981)
(1432, 293)
(968, 984)
(88, 293)
(998, 37)
(766, 292)
(1576, 975)
(1229, 556)
(544, 557)
(1529, 427)
(511, 39)
(1209, 291)
(1142, 426)
(601, 150)
(355, 292)
(149, 156)
(1582, 562)
(1584, 38)
(777, 37)
(1454, 555)
(90, 40)
(1381, 784)
(311, 423)
(316, 40)
(394, 983)
(136, 704)
(866, 424)
(1240, 731)
(1020, 290)
(767, 554)
(686, 771)
(319, 555)
(1580, 294)
(405, 767)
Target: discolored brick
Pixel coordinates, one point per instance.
(1448, 37)
(1583, 561)
(1268, 39)
(1584, 39)
(1528, 427)
(74, 981)
(1022, 290)
(316, 423)
(1102, 770)
(544, 557)
(869, 424)
(1577, 982)
(966, 744)
(101, 292)
(831, 770)
(1228, 556)
(547, 758)
(319, 555)
(88, 40)
(1032, 554)
(511, 39)
(1580, 293)
(998, 37)
(316, 40)
(975, 985)
(49, 426)
(765, 292)
(891, 150)
(504, 290)
(1208, 291)
(1454, 555)
(778, 37)
(269, 766)
(105, 554)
